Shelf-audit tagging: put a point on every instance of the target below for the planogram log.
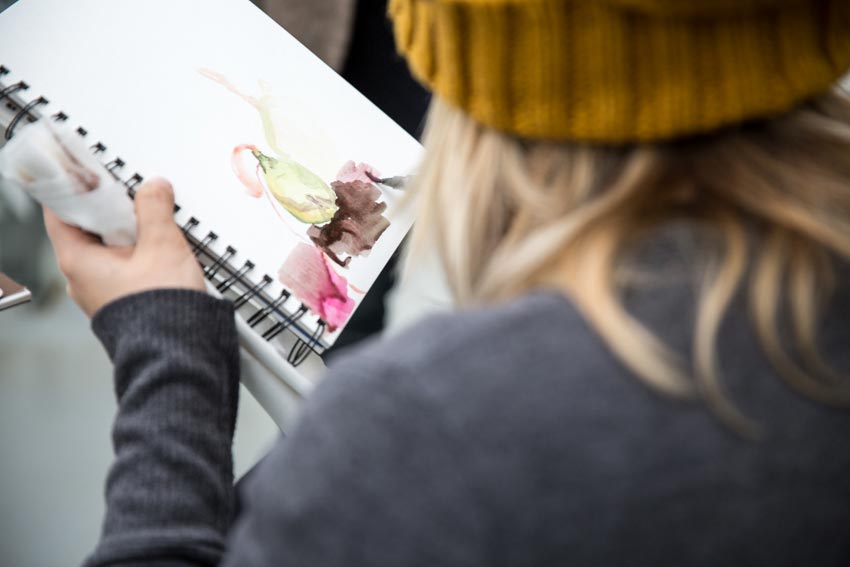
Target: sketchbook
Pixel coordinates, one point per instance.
(289, 182)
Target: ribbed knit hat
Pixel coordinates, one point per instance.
(616, 71)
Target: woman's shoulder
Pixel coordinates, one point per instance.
(535, 353)
(457, 335)
(394, 439)
(471, 337)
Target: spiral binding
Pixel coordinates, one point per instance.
(25, 111)
(218, 267)
(281, 326)
(254, 319)
(300, 350)
(116, 163)
(245, 297)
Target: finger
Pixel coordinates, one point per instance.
(69, 242)
(154, 204)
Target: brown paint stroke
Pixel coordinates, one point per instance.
(356, 226)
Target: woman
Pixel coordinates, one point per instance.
(646, 205)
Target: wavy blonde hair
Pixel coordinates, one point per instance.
(511, 215)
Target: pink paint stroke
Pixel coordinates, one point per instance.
(357, 172)
(247, 169)
(223, 81)
(309, 275)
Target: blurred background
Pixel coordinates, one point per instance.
(56, 396)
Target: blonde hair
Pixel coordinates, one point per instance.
(511, 215)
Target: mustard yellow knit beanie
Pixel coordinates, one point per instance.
(617, 71)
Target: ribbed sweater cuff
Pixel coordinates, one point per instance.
(194, 317)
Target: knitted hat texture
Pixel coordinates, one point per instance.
(620, 71)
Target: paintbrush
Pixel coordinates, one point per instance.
(397, 182)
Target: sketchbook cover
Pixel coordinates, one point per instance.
(266, 145)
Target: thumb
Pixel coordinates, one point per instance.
(154, 205)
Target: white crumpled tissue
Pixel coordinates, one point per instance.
(54, 165)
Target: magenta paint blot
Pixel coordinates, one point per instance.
(308, 274)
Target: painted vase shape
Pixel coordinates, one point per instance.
(300, 191)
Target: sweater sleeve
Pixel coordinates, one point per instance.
(169, 492)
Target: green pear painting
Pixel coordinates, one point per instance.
(302, 193)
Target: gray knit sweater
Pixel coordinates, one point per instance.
(502, 437)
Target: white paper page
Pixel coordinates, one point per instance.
(129, 72)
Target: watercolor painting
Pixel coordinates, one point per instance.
(334, 221)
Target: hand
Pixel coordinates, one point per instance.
(99, 274)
